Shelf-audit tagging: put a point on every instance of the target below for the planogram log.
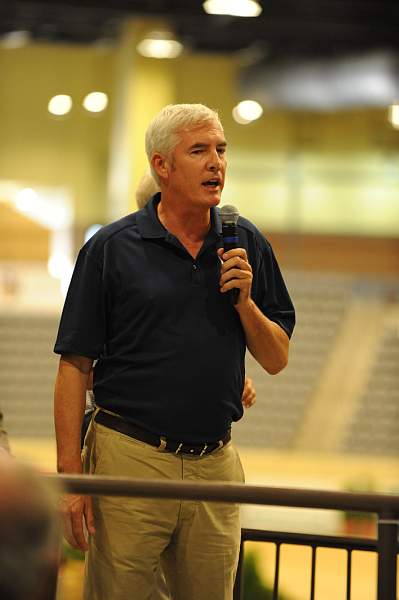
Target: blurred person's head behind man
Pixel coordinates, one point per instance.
(146, 188)
(29, 535)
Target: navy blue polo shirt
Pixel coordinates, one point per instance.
(169, 345)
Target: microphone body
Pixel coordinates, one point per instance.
(229, 216)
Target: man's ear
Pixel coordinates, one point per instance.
(160, 165)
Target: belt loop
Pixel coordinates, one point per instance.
(108, 412)
(162, 445)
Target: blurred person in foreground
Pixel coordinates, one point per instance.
(149, 301)
(29, 534)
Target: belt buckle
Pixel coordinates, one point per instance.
(191, 450)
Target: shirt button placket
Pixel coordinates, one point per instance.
(195, 275)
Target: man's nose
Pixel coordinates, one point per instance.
(214, 161)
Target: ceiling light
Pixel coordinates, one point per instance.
(247, 111)
(394, 115)
(95, 102)
(15, 39)
(60, 105)
(235, 8)
(159, 44)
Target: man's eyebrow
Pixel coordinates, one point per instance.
(203, 145)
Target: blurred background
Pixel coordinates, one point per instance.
(308, 92)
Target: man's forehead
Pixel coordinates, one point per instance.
(204, 129)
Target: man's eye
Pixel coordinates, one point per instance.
(221, 150)
(198, 151)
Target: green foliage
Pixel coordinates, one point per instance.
(254, 588)
(69, 553)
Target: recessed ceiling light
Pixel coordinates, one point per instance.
(60, 105)
(95, 102)
(235, 8)
(159, 44)
(247, 111)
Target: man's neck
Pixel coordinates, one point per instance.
(188, 226)
(191, 225)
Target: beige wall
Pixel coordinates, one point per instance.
(303, 172)
(338, 253)
(20, 238)
(38, 149)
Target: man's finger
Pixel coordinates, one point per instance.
(235, 274)
(234, 252)
(78, 532)
(236, 262)
(249, 401)
(68, 533)
(89, 518)
(72, 508)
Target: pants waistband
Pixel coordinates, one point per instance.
(163, 444)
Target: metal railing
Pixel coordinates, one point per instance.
(278, 538)
(385, 506)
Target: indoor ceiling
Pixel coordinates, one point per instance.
(286, 29)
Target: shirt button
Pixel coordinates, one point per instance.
(194, 267)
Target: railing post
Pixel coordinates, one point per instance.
(387, 551)
(238, 593)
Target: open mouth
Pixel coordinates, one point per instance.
(211, 183)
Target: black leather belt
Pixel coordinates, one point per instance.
(163, 444)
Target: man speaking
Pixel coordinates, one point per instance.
(149, 301)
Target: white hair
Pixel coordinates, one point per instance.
(146, 188)
(163, 133)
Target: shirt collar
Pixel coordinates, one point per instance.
(148, 223)
(150, 226)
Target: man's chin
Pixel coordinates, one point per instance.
(214, 199)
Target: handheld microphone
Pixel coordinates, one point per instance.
(229, 215)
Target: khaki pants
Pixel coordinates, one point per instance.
(196, 542)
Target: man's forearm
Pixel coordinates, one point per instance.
(266, 340)
(69, 405)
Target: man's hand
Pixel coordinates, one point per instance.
(77, 514)
(267, 341)
(69, 403)
(248, 394)
(236, 272)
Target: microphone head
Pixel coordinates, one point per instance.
(229, 214)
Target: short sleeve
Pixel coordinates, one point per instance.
(270, 292)
(82, 325)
